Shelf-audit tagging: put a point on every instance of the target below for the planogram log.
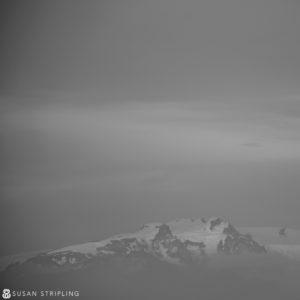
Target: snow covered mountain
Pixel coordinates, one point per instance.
(183, 241)
(182, 259)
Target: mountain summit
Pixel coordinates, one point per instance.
(183, 241)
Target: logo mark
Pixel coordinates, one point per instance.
(6, 294)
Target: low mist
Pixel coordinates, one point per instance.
(247, 277)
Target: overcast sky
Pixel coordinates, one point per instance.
(117, 113)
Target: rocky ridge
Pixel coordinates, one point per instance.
(179, 242)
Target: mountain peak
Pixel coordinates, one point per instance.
(216, 224)
(164, 232)
(181, 242)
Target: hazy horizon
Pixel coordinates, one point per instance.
(118, 113)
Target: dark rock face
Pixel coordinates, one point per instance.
(215, 223)
(164, 232)
(282, 232)
(122, 247)
(174, 248)
(237, 244)
(231, 231)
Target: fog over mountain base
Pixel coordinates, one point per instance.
(246, 276)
